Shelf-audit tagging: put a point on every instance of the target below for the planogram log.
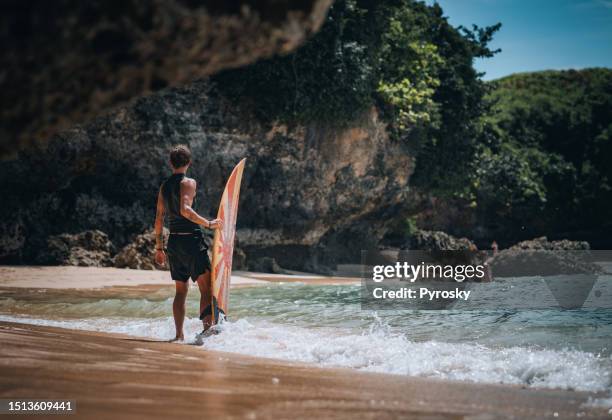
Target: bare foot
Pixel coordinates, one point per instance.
(178, 338)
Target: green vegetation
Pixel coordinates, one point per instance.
(330, 79)
(544, 151)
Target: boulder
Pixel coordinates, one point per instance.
(542, 243)
(541, 257)
(440, 248)
(90, 249)
(140, 253)
(427, 240)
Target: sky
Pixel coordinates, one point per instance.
(539, 34)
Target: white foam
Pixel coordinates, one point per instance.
(377, 350)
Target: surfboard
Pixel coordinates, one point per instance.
(223, 244)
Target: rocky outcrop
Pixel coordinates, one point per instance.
(426, 240)
(140, 253)
(67, 61)
(541, 257)
(542, 243)
(440, 248)
(90, 249)
(311, 196)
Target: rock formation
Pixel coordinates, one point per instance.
(542, 243)
(90, 249)
(425, 240)
(68, 61)
(140, 253)
(440, 248)
(541, 257)
(311, 196)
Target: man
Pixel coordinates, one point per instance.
(186, 247)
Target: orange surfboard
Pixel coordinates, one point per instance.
(223, 244)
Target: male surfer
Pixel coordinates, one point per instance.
(186, 247)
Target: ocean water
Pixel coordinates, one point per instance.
(325, 326)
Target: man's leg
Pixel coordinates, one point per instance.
(178, 308)
(205, 297)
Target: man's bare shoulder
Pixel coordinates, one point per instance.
(188, 182)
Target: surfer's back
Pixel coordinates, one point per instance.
(171, 192)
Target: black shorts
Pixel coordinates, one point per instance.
(187, 256)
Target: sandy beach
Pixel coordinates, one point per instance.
(68, 277)
(129, 377)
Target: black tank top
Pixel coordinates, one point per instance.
(171, 192)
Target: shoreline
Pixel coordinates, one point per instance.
(72, 277)
(34, 357)
(131, 376)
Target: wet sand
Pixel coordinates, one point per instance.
(121, 377)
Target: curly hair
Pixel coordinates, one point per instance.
(180, 155)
